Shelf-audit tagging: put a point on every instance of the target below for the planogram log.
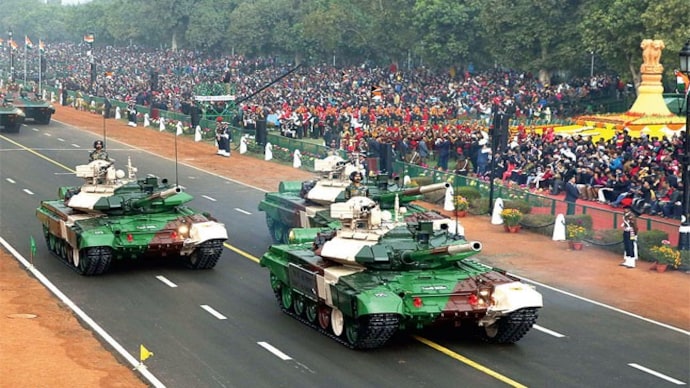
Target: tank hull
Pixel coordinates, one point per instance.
(11, 119)
(90, 242)
(363, 308)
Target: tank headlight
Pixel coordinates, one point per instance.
(183, 230)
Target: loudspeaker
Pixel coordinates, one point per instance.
(261, 132)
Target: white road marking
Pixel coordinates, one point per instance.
(209, 198)
(657, 374)
(213, 312)
(604, 305)
(133, 361)
(242, 211)
(60, 139)
(10, 180)
(166, 281)
(28, 191)
(275, 351)
(547, 331)
(34, 129)
(47, 134)
(75, 145)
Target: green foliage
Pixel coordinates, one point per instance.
(539, 223)
(471, 193)
(522, 205)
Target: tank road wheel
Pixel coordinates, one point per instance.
(510, 328)
(352, 331)
(324, 317)
(311, 312)
(337, 322)
(52, 243)
(46, 235)
(299, 304)
(286, 297)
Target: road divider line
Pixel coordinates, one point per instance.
(547, 331)
(34, 129)
(75, 145)
(28, 191)
(242, 253)
(10, 180)
(60, 139)
(243, 211)
(275, 351)
(209, 198)
(655, 373)
(166, 281)
(213, 312)
(25, 148)
(468, 362)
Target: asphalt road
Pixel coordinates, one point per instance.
(222, 327)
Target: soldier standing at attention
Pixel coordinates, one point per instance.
(629, 239)
(98, 153)
(356, 188)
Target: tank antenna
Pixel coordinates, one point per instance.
(177, 183)
(104, 135)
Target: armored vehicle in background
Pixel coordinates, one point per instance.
(11, 118)
(306, 204)
(372, 277)
(113, 217)
(34, 107)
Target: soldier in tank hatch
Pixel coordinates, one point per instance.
(356, 188)
(98, 153)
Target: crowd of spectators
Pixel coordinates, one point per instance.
(413, 112)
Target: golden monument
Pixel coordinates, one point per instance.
(649, 114)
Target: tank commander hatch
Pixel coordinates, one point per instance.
(356, 188)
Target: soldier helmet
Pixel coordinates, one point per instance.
(98, 143)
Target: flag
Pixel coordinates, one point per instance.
(28, 43)
(13, 44)
(144, 353)
(89, 38)
(32, 243)
(684, 79)
(41, 46)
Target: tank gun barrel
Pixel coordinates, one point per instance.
(159, 195)
(409, 194)
(469, 249)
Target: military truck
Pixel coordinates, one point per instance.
(34, 107)
(374, 276)
(306, 204)
(115, 216)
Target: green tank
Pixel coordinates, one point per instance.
(11, 118)
(34, 107)
(305, 204)
(115, 216)
(372, 277)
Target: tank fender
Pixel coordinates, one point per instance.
(276, 263)
(96, 238)
(379, 302)
(209, 230)
(509, 297)
(290, 187)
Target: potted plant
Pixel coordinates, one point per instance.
(461, 205)
(665, 255)
(575, 234)
(511, 219)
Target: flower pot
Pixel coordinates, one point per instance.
(575, 245)
(462, 213)
(661, 267)
(512, 228)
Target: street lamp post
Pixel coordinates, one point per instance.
(591, 66)
(684, 230)
(11, 77)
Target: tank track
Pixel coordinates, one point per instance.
(207, 254)
(94, 260)
(512, 327)
(379, 328)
